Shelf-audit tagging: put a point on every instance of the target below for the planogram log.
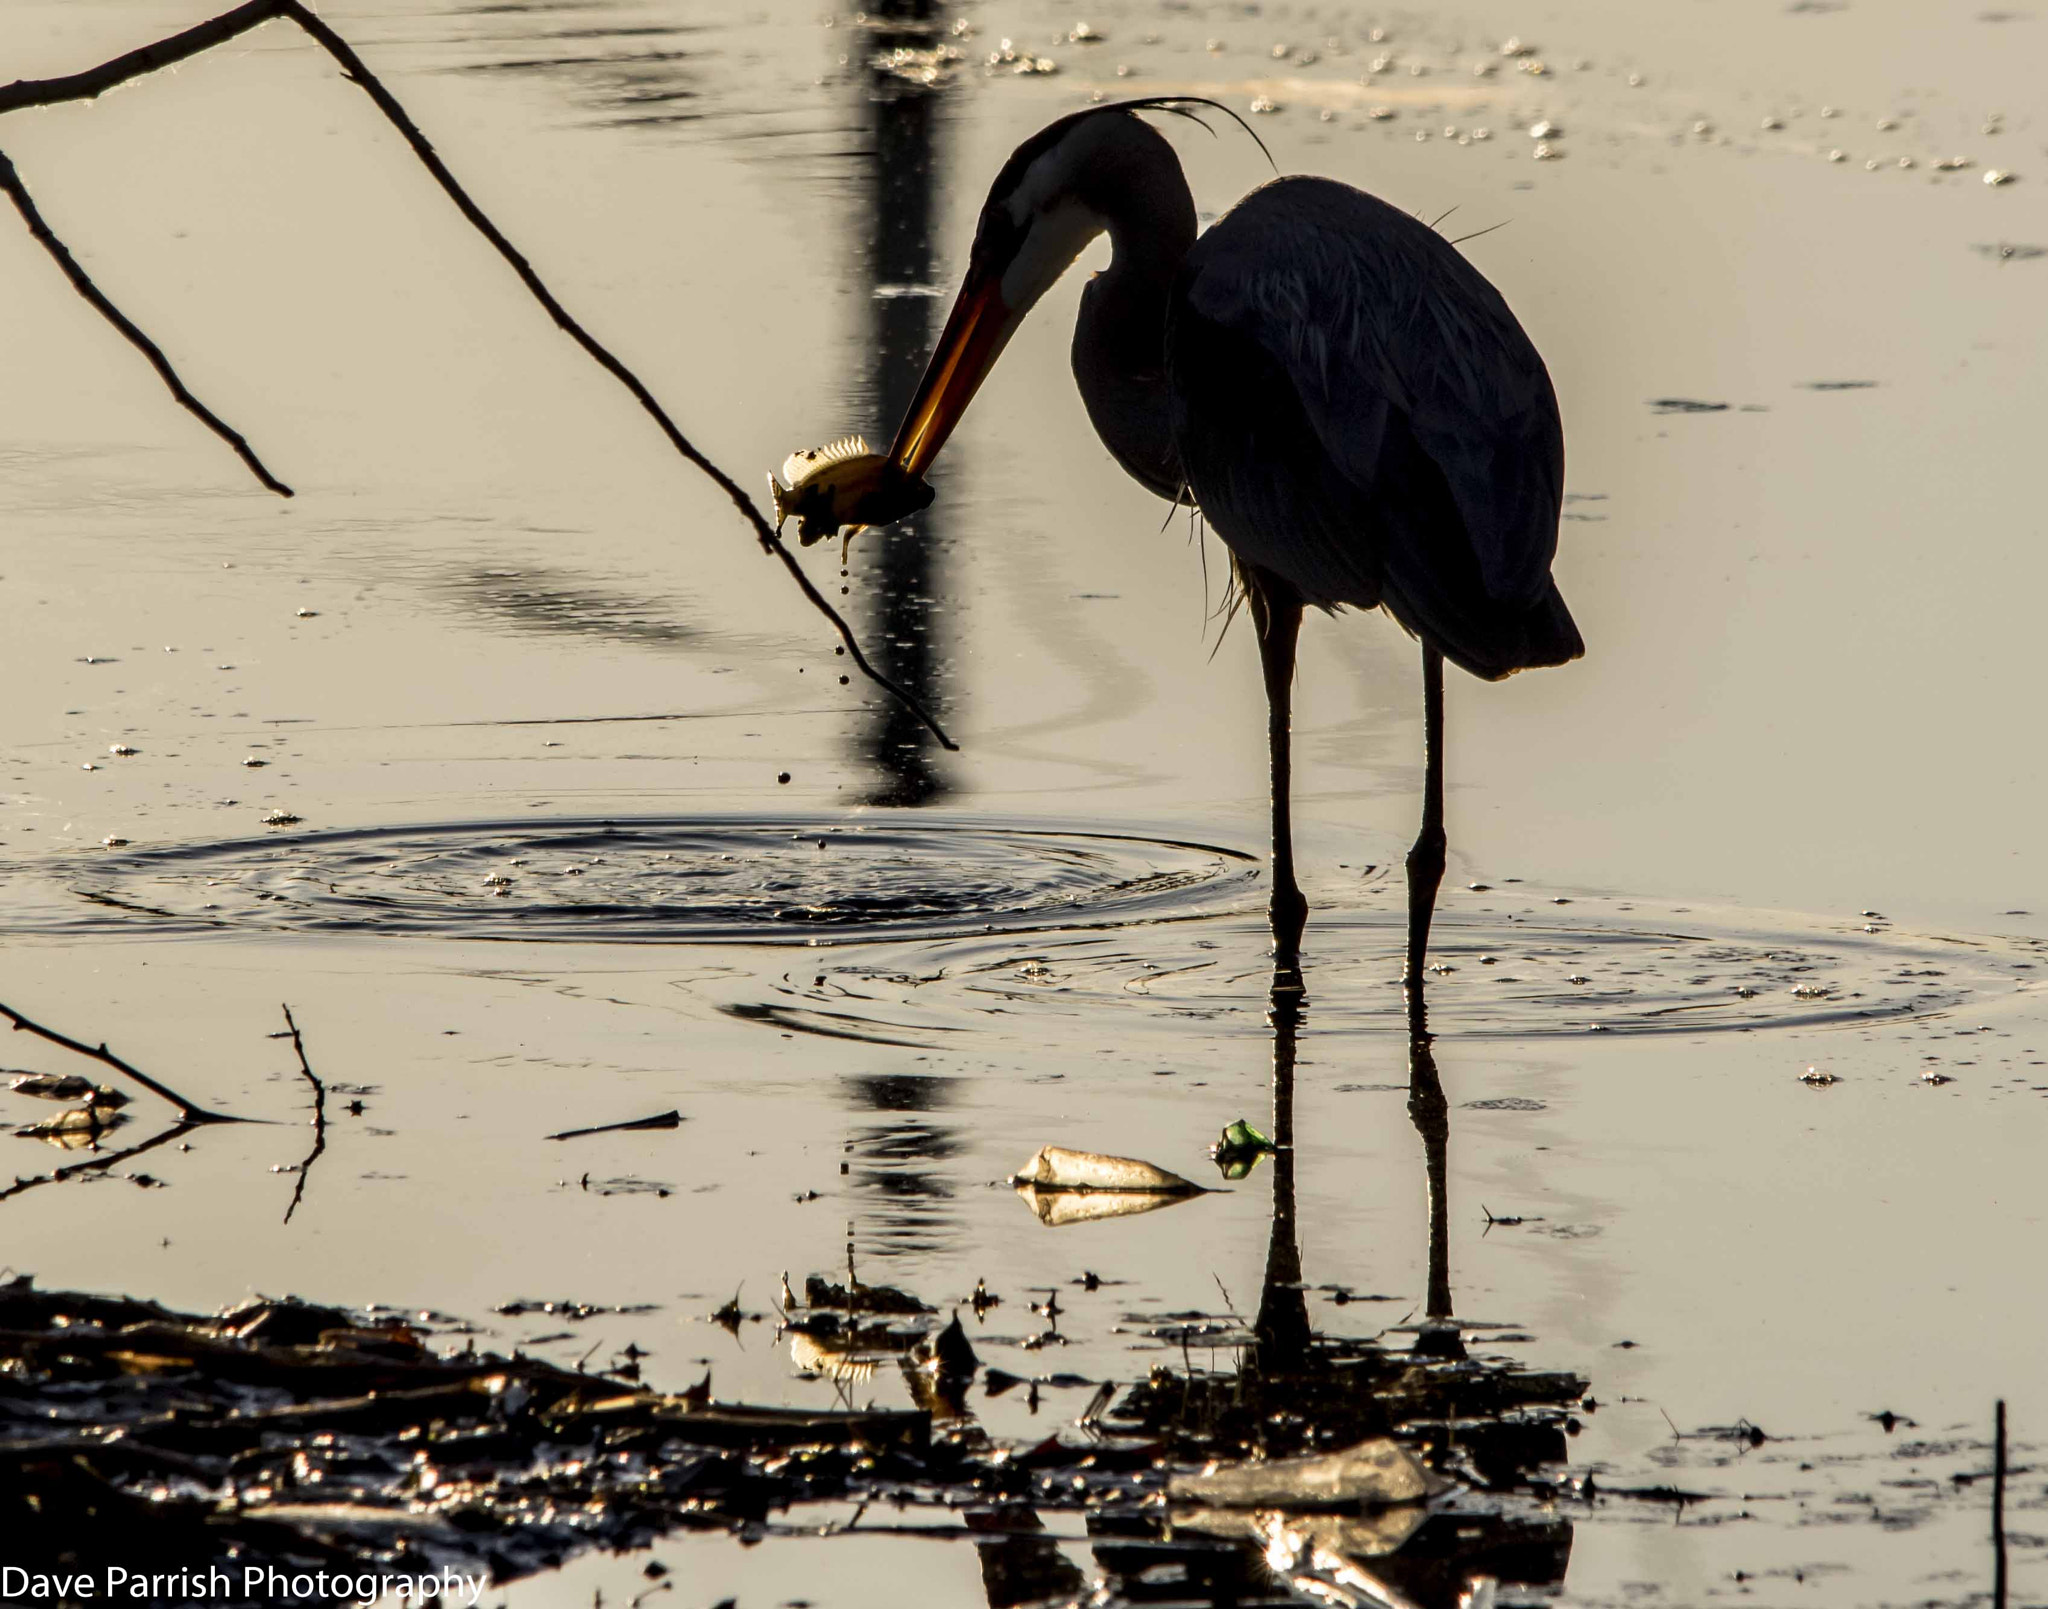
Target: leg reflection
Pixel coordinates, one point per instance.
(1282, 1327)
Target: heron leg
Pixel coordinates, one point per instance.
(1276, 612)
(1426, 858)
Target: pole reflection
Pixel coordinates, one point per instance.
(906, 565)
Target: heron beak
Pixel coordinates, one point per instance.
(975, 334)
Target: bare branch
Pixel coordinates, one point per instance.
(108, 75)
(188, 1112)
(10, 181)
(319, 1112)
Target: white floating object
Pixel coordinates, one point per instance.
(1054, 1167)
(281, 818)
(1997, 176)
(1379, 1471)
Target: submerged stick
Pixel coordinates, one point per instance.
(660, 1120)
(98, 80)
(188, 1111)
(10, 181)
(319, 1111)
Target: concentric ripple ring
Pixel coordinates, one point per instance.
(702, 879)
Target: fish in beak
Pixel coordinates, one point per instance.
(842, 484)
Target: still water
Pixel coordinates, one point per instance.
(530, 690)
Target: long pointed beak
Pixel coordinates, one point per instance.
(975, 334)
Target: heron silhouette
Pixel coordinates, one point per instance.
(1347, 400)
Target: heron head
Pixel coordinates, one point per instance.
(1099, 170)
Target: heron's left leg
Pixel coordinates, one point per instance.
(1276, 612)
(1426, 859)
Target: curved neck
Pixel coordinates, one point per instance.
(1120, 338)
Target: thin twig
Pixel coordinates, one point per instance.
(10, 181)
(98, 80)
(188, 1111)
(97, 1164)
(319, 1111)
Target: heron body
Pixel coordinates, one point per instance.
(1348, 401)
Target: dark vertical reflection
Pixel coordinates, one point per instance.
(1282, 1326)
(892, 1164)
(906, 570)
(1430, 1113)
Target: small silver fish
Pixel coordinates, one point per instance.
(842, 484)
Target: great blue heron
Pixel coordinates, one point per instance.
(1347, 400)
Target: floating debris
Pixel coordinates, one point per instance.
(1054, 1167)
(1545, 130)
(281, 818)
(1547, 152)
(1685, 405)
(1375, 1472)
(1264, 104)
(1952, 164)
(1998, 176)
(1083, 34)
(66, 1087)
(1238, 1148)
(1818, 1078)
(111, 841)
(122, 749)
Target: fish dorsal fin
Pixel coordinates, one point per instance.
(808, 462)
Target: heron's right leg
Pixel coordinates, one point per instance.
(1276, 612)
(1426, 859)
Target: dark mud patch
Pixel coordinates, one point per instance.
(680, 880)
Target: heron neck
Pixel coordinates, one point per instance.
(1120, 350)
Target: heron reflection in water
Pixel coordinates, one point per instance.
(1345, 398)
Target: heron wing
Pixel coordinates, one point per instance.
(1430, 467)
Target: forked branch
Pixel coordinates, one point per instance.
(179, 47)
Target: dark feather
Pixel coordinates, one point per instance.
(1360, 415)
